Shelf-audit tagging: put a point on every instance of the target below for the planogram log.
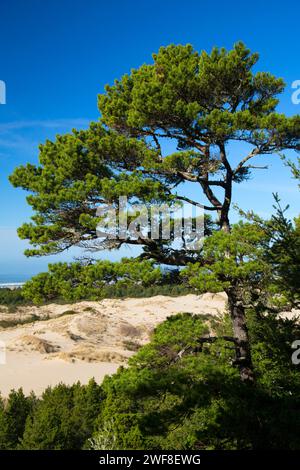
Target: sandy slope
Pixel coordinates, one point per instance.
(87, 339)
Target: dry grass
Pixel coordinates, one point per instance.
(126, 329)
(34, 343)
(91, 354)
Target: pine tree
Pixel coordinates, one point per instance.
(14, 412)
(202, 103)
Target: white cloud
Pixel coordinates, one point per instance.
(12, 133)
(45, 124)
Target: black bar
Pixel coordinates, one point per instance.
(146, 459)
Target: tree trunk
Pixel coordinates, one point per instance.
(240, 332)
(236, 309)
(224, 223)
(237, 313)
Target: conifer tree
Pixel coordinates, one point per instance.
(202, 103)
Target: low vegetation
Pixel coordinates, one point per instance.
(180, 391)
(109, 292)
(12, 298)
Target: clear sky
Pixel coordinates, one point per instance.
(57, 55)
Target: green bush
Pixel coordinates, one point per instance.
(102, 279)
(13, 415)
(12, 297)
(64, 418)
(162, 401)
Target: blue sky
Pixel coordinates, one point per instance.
(56, 56)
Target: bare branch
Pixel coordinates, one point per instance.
(224, 158)
(194, 203)
(252, 154)
(210, 195)
(257, 167)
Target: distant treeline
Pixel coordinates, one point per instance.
(12, 297)
(103, 279)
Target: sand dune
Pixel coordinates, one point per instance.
(74, 342)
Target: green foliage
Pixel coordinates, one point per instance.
(12, 297)
(196, 400)
(280, 251)
(64, 418)
(148, 400)
(294, 166)
(201, 101)
(13, 415)
(233, 259)
(283, 254)
(177, 393)
(76, 172)
(260, 258)
(187, 90)
(271, 338)
(75, 281)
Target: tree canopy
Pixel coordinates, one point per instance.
(202, 102)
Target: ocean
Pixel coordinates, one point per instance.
(10, 280)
